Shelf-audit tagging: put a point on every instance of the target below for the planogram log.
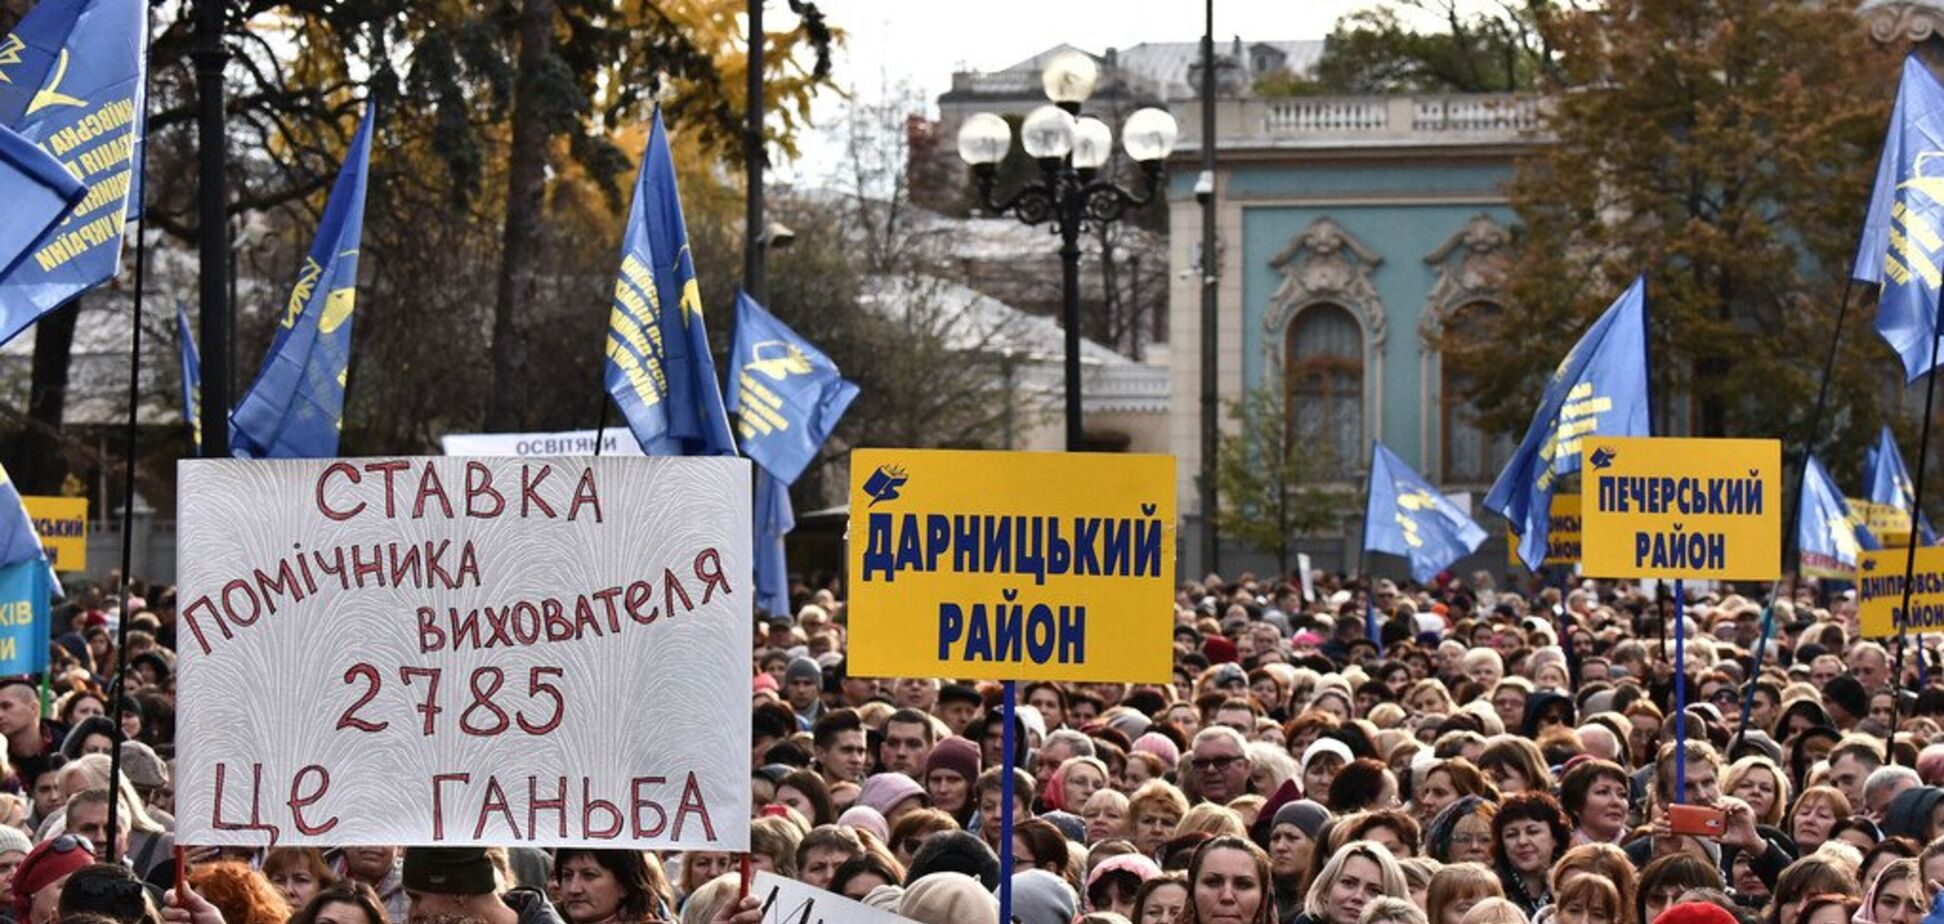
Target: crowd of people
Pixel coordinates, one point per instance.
(1484, 756)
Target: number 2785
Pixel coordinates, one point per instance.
(482, 717)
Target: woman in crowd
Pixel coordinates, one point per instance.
(1462, 833)
(1529, 833)
(347, 902)
(1593, 794)
(1162, 899)
(298, 874)
(1356, 873)
(1457, 888)
(1759, 781)
(1228, 880)
(1815, 815)
(610, 887)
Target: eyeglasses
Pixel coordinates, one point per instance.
(1215, 763)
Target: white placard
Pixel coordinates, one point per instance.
(541, 652)
(615, 441)
(787, 901)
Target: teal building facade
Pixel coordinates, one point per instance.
(1359, 241)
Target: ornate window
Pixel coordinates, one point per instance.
(1470, 266)
(1324, 386)
(1324, 331)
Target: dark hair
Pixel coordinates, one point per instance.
(1577, 782)
(1048, 844)
(813, 788)
(1682, 871)
(1406, 827)
(834, 723)
(109, 890)
(1532, 805)
(350, 892)
(639, 897)
(866, 862)
(912, 717)
(1357, 786)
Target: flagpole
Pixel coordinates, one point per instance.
(1680, 691)
(109, 853)
(1916, 509)
(1008, 759)
(1791, 539)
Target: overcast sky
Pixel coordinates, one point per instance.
(921, 42)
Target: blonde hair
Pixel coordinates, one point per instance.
(1457, 882)
(1388, 872)
(1156, 795)
(707, 899)
(1275, 760)
(1494, 911)
(1740, 770)
(1213, 820)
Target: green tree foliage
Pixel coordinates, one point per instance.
(1726, 148)
(1380, 50)
(1274, 485)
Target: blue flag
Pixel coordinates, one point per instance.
(1407, 517)
(1829, 537)
(191, 375)
(1903, 231)
(787, 395)
(659, 368)
(1886, 481)
(295, 409)
(38, 190)
(71, 82)
(25, 589)
(774, 520)
(1599, 389)
(19, 540)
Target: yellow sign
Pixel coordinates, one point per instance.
(1562, 534)
(1880, 586)
(1682, 508)
(1012, 565)
(63, 526)
(1879, 519)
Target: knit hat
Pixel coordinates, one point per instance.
(1072, 827)
(1130, 723)
(884, 898)
(1039, 897)
(1322, 746)
(144, 769)
(802, 668)
(949, 898)
(46, 864)
(1307, 815)
(449, 870)
(954, 852)
(960, 693)
(866, 818)
(764, 683)
(1219, 650)
(1142, 868)
(1030, 717)
(959, 755)
(1160, 746)
(884, 791)
(1909, 813)
(14, 840)
(1695, 913)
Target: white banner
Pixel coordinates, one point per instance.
(540, 652)
(615, 441)
(787, 901)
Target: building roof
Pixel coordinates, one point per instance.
(969, 320)
(1157, 69)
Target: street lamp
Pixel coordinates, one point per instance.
(1071, 150)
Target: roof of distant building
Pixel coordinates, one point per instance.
(1159, 69)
